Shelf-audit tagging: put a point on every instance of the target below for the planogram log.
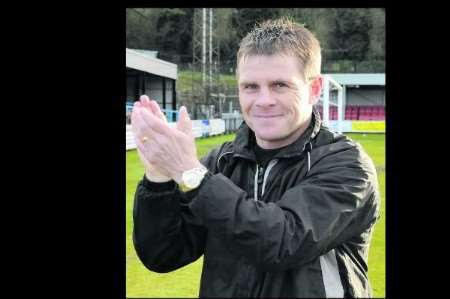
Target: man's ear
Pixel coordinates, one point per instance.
(316, 89)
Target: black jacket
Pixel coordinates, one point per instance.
(306, 235)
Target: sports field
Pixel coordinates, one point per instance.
(184, 282)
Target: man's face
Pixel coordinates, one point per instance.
(276, 101)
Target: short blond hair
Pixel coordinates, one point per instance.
(283, 36)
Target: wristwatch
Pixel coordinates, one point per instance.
(192, 178)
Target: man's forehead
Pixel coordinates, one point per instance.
(275, 67)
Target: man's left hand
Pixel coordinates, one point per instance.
(170, 149)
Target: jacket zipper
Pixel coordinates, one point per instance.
(258, 179)
(261, 176)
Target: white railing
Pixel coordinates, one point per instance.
(201, 128)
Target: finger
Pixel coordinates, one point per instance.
(144, 130)
(184, 123)
(155, 123)
(136, 121)
(136, 106)
(138, 137)
(143, 147)
(148, 150)
(153, 106)
(150, 167)
(145, 101)
(139, 127)
(149, 145)
(145, 152)
(142, 156)
(156, 110)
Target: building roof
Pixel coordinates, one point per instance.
(143, 60)
(147, 53)
(359, 79)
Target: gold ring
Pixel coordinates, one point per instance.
(144, 139)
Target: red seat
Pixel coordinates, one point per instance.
(363, 113)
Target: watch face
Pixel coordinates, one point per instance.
(191, 180)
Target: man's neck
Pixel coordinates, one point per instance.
(263, 156)
(274, 144)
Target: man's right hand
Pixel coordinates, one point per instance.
(152, 174)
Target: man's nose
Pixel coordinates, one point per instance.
(265, 98)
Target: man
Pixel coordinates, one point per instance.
(285, 210)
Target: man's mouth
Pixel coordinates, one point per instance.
(267, 115)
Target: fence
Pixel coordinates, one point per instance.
(229, 122)
(171, 115)
(232, 121)
(129, 108)
(200, 128)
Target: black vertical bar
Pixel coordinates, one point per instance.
(164, 93)
(174, 97)
(136, 87)
(141, 85)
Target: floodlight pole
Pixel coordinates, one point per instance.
(203, 46)
(210, 47)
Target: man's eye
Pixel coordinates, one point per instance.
(250, 87)
(280, 85)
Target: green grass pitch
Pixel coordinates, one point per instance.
(184, 282)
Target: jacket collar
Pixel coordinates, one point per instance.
(245, 139)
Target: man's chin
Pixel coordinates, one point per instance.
(275, 139)
(270, 136)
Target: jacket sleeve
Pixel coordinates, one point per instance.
(165, 234)
(334, 203)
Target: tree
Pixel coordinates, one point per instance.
(226, 37)
(317, 20)
(377, 34)
(245, 19)
(168, 31)
(351, 34)
(140, 24)
(174, 34)
(350, 38)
